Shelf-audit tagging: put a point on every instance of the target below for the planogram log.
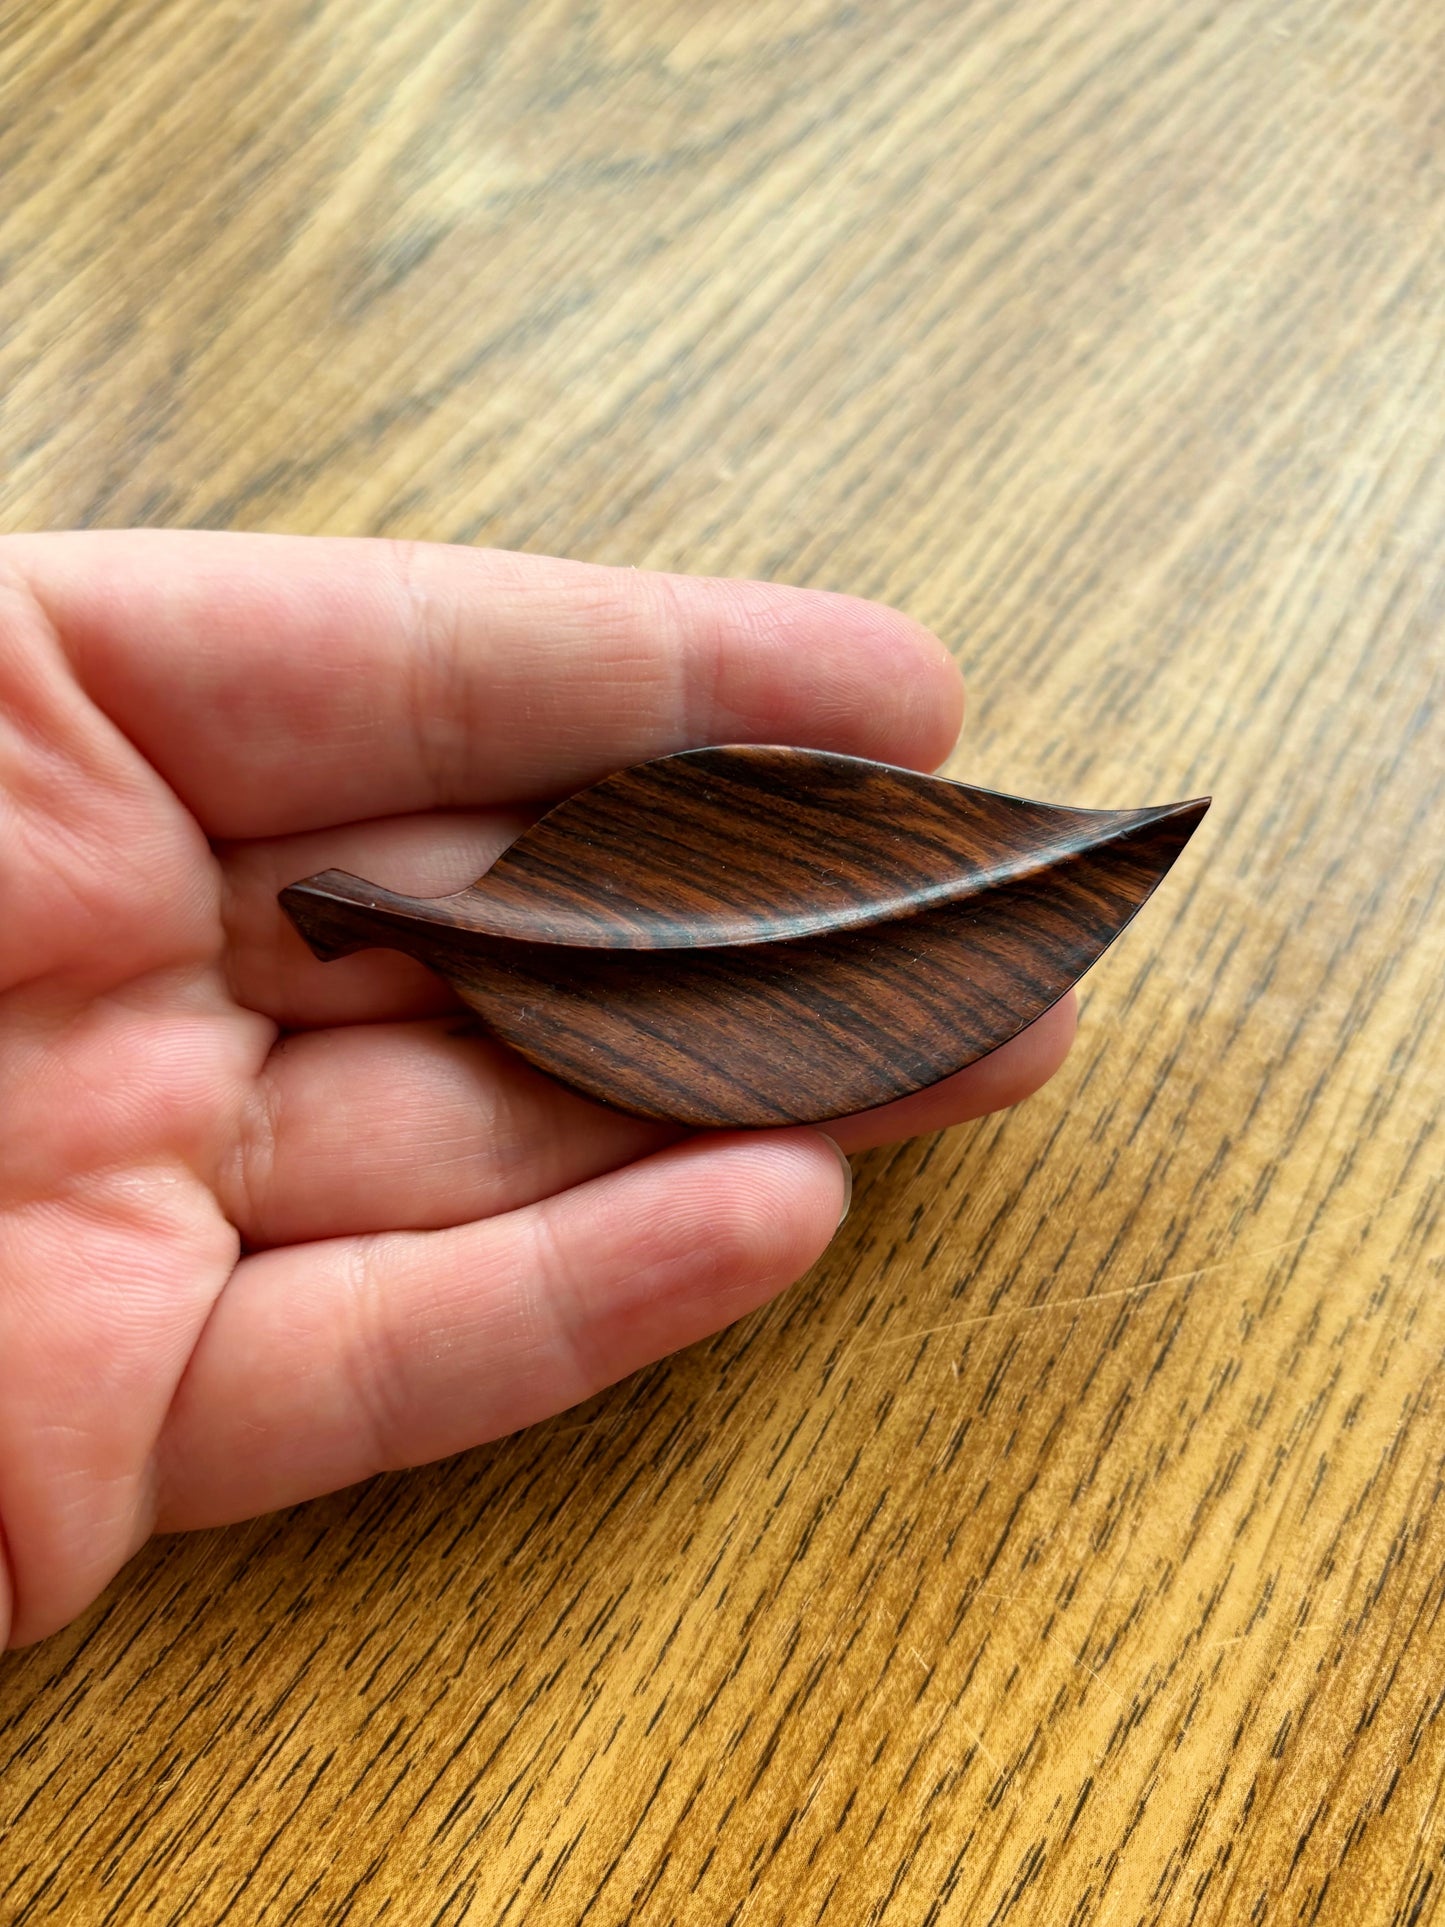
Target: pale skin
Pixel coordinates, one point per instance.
(269, 1226)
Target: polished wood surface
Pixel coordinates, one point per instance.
(758, 935)
(1069, 1546)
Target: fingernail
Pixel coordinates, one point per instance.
(847, 1174)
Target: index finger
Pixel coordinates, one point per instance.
(284, 683)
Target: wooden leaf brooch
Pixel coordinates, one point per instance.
(755, 936)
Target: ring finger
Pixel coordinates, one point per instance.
(427, 1125)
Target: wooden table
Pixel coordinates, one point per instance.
(1068, 1547)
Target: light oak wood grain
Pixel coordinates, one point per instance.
(1068, 1548)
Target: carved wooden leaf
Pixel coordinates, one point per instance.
(754, 936)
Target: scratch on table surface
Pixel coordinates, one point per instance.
(1173, 1278)
(978, 1740)
(1078, 1660)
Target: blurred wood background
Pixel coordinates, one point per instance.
(1068, 1547)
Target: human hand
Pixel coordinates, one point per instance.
(267, 1226)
